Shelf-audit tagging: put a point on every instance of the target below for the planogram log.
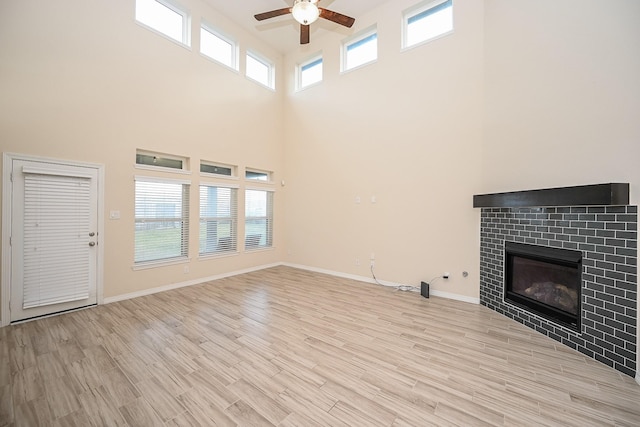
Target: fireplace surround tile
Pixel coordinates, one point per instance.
(607, 238)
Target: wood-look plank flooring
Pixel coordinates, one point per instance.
(286, 347)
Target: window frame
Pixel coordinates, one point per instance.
(234, 170)
(268, 218)
(422, 7)
(235, 49)
(269, 175)
(359, 38)
(184, 219)
(271, 72)
(311, 62)
(233, 219)
(185, 162)
(178, 9)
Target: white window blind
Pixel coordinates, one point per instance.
(57, 221)
(258, 219)
(162, 220)
(218, 219)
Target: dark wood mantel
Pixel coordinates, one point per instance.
(582, 195)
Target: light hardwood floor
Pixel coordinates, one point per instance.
(287, 347)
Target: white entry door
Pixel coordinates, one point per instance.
(54, 238)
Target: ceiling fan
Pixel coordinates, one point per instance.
(307, 12)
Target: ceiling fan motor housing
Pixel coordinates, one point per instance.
(305, 11)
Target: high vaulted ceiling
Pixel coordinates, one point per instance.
(283, 33)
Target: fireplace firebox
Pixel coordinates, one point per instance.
(544, 280)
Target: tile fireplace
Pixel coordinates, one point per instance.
(567, 271)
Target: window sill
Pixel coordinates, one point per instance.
(260, 249)
(359, 67)
(427, 41)
(207, 257)
(161, 169)
(154, 264)
(163, 35)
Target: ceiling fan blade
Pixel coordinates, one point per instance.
(304, 34)
(336, 17)
(272, 14)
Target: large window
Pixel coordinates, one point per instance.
(260, 70)
(310, 72)
(426, 21)
(258, 219)
(218, 219)
(161, 220)
(360, 49)
(218, 47)
(165, 17)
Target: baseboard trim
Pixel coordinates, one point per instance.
(171, 286)
(436, 293)
(638, 378)
(150, 291)
(456, 297)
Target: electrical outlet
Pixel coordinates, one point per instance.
(373, 263)
(445, 275)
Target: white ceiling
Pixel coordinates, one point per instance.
(283, 33)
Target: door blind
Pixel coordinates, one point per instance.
(56, 239)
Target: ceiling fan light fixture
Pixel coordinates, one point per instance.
(305, 11)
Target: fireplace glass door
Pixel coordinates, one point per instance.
(544, 280)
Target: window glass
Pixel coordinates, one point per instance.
(165, 17)
(310, 72)
(360, 51)
(427, 22)
(159, 161)
(217, 47)
(256, 175)
(258, 219)
(161, 220)
(218, 219)
(214, 169)
(259, 70)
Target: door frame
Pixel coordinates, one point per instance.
(5, 280)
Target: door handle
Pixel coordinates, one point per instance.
(92, 243)
(92, 234)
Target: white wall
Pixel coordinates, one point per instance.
(407, 130)
(81, 80)
(562, 94)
